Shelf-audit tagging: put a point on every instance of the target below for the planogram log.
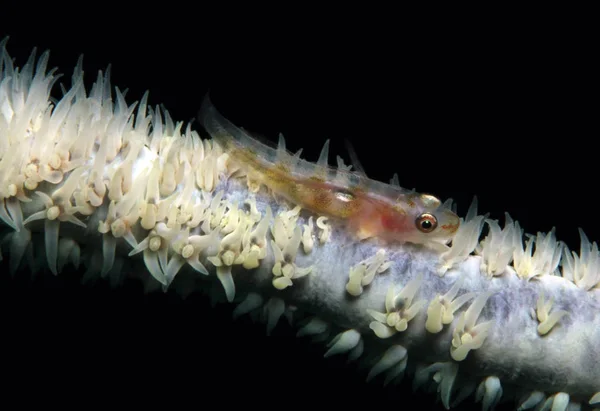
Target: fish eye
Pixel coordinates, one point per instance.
(426, 223)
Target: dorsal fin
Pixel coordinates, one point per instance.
(342, 166)
(354, 159)
(343, 172)
(395, 181)
(281, 142)
(282, 154)
(324, 157)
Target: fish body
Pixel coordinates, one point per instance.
(369, 208)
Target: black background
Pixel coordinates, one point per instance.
(509, 116)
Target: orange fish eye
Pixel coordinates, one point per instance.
(426, 223)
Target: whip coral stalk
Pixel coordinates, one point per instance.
(121, 189)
